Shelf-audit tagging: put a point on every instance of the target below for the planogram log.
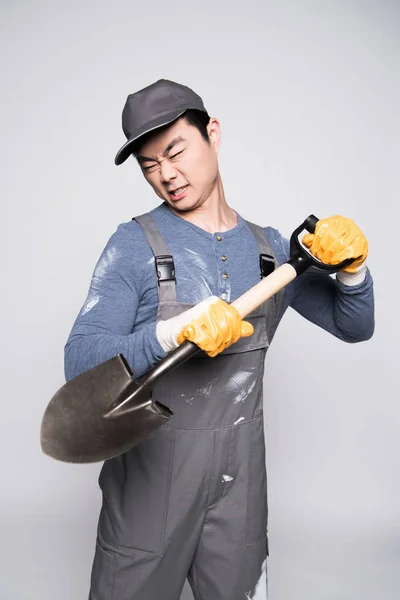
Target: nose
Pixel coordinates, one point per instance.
(167, 171)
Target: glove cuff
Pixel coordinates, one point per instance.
(353, 278)
(167, 331)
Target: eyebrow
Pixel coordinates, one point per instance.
(172, 143)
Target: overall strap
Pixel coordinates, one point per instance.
(164, 262)
(268, 263)
(267, 260)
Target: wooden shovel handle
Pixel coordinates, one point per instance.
(245, 304)
(264, 290)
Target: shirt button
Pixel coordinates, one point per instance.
(224, 296)
(225, 275)
(223, 257)
(218, 237)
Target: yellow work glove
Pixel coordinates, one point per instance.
(219, 326)
(336, 239)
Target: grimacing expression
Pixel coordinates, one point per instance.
(179, 164)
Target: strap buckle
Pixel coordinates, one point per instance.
(165, 268)
(267, 265)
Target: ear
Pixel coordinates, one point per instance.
(214, 133)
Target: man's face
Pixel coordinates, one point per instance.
(180, 165)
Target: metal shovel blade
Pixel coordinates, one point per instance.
(75, 427)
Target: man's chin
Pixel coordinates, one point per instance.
(183, 205)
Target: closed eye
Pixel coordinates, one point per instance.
(177, 154)
(149, 167)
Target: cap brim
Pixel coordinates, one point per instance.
(126, 150)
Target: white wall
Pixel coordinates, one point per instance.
(307, 93)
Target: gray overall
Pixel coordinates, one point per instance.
(191, 499)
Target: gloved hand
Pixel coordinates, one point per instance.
(336, 239)
(213, 325)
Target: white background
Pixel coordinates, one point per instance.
(307, 94)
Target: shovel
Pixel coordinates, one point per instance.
(103, 412)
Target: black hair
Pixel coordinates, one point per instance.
(197, 118)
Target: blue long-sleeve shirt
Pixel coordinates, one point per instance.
(119, 314)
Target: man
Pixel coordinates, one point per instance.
(190, 500)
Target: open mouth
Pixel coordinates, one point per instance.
(178, 193)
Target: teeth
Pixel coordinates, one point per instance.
(179, 191)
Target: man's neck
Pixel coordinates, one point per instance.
(214, 215)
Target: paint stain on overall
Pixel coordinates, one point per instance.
(187, 399)
(203, 392)
(226, 478)
(241, 384)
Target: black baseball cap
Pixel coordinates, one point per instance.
(154, 106)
